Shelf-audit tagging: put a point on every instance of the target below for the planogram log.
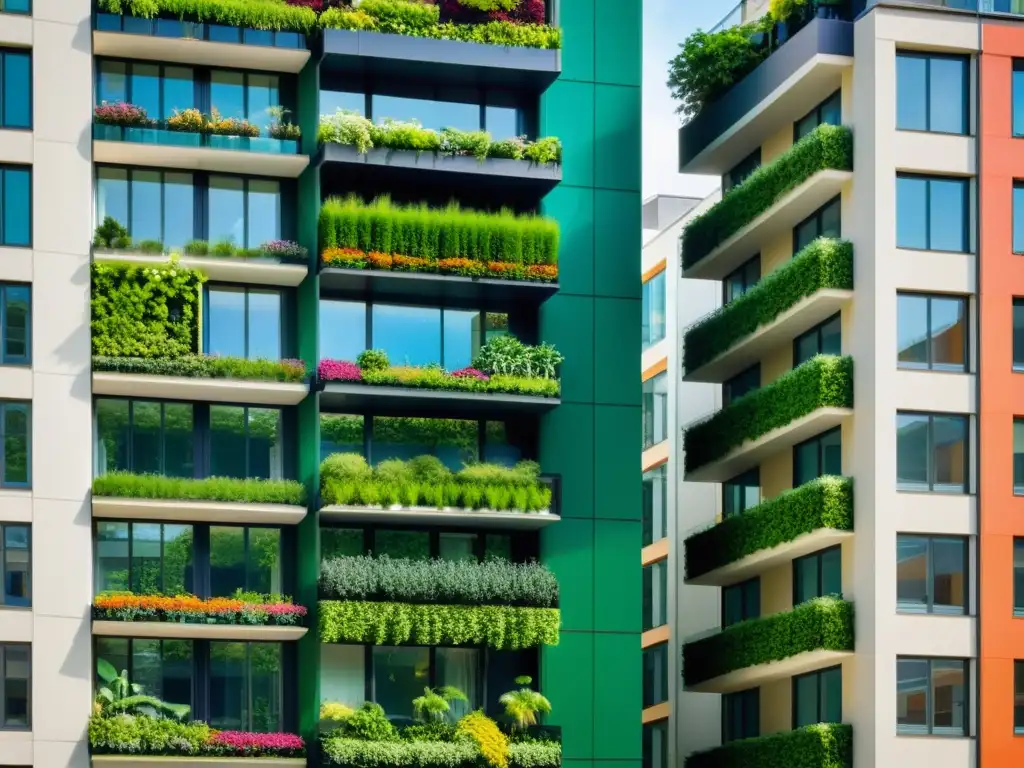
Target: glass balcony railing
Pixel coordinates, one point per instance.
(188, 30)
(166, 137)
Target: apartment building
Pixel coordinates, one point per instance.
(249, 347)
(863, 548)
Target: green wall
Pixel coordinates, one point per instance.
(593, 677)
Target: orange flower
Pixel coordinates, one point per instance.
(543, 271)
(503, 267)
(409, 263)
(459, 266)
(343, 257)
(379, 260)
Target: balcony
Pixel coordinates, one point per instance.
(815, 634)
(816, 515)
(197, 43)
(806, 401)
(791, 81)
(189, 761)
(826, 745)
(772, 201)
(816, 284)
(248, 270)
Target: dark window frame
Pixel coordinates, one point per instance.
(27, 405)
(816, 555)
(754, 475)
(966, 232)
(747, 585)
(931, 365)
(655, 580)
(929, 729)
(647, 291)
(6, 359)
(655, 744)
(523, 545)
(746, 167)
(27, 169)
(660, 693)
(649, 391)
(816, 113)
(746, 730)
(818, 674)
(742, 272)
(816, 333)
(816, 219)
(930, 607)
(1018, 690)
(818, 438)
(930, 452)
(3, 680)
(728, 398)
(285, 325)
(3, 565)
(927, 57)
(20, 52)
(657, 477)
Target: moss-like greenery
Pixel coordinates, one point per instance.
(825, 263)
(825, 381)
(825, 745)
(825, 623)
(823, 503)
(827, 147)
(361, 753)
(250, 490)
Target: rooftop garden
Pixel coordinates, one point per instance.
(425, 482)
(514, 23)
(504, 365)
(192, 121)
(825, 745)
(447, 241)
(126, 485)
(824, 381)
(350, 128)
(244, 608)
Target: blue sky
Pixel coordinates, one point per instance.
(666, 24)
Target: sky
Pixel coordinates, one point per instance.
(666, 24)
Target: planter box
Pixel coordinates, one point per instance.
(217, 512)
(231, 269)
(347, 397)
(188, 388)
(133, 761)
(182, 631)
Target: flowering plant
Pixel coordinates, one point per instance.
(379, 260)
(344, 257)
(121, 113)
(285, 131)
(436, 378)
(339, 370)
(286, 250)
(460, 266)
(231, 126)
(125, 606)
(471, 373)
(187, 121)
(245, 744)
(353, 258)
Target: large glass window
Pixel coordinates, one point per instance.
(931, 574)
(655, 504)
(15, 318)
(932, 92)
(931, 696)
(1018, 97)
(161, 90)
(824, 222)
(655, 674)
(743, 382)
(144, 558)
(244, 212)
(244, 95)
(16, 6)
(398, 677)
(817, 575)
(454, 441)
(399, 674)
(1018, 577)
(931, 452)
(741, 280)
(739, 172)
(163, 668)
(15, 686)
(1018, 456)
(245, 442)
(655, 747)
(741, 602)
(654, 410)
(244, 322)
(818, 697)
(144, 436)
(1018, 697)
(741, 492)
(655, 597)
(246, 686)
(932, 213)
(652, 301)
(931, 332)
(151, 205)
(741, 715)
(15, 434)
(16, 206)
(16, 561)
(829, 112)
(819, 456)
(1018, 334)
(15, 89)
(826, 338)
(248, 559)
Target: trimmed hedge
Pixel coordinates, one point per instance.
(503, 628)
(825, 745)
(823, 264)
(827, 147)
(825, 381)
(203, 367)
(452, 582)
(250, 490)
(825, 623)
(823, 503)
(359, 753)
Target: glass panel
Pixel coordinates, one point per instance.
(1018, 100)
(805, 706)
(111, 436)
(17, 69)
(263, 94)
(912, 330)
(227, 210)
(655, 492)
(430, 113)
(832, 572)
(17, 676)
(653, 310)
(460, 668)
(948, 695)
(17, 564)
(805, 347)
(1018, 688)
(502, 122)
(831, 696)
(912, 451)
(179, 202)
(111, 82)
(454, 441)
(830, 224)
(805, 462)
(832, 453)
(741, 493)
(145, 566)
(145, 87)
(227, 441)
(911, 93)
(146, 206)
(226, 322)
(950, 570)
(498, 545)
(264, 325)
(461, 335)
(177, 559)
(227, 93)
(655, 674)
(457, 546)
(950, 441)
(1018, 333)
(655, 746)
(805, 579)
(1018, 456)
(410, 335)
(16, 316)
(266, 456)
(179, 91)
(414, 545)
(267, 695)
(911, 212)
(332, 101)
(264, 217)
(912, 694)
(497, 447)
(227, 560)
(229, 686)
(340, 433)
(147, 666)
(111, 194)
(114, 650)
(111, 557)
(340, 542)
(1018, 576)
(912, 572)
(178, 440)
(17, 205)
(263, 561)
(741, 384)
(831, 335)
(15, 430)
(399, 676)
(947, 215)
(947, 95)
(342, 329)
(145, 446)
(176, 683)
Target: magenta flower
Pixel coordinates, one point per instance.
(339, 370)
(471, 373)
(282, 609)
(121, 113)
(246, 742)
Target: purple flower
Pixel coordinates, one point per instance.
(471, 373)
(284, 249)
(339, 370)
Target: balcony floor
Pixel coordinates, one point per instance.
(199, 158)
(760, 674)
(216, 512)
(181, 50)
(209, 390)
(227, 269)
(450, 518)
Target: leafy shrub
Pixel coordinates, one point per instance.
(151, 247)
(373, 360)
(335, 711)
(188, 609)
(823, 503)
(432, 730)
(196, 248)
(356, 753)
(405, 134)
(508, 149)
(455, 582)
(199, 366)
(506, 355)
(825, 745)
(492, 743)
(497, 626)
(111, 234)
(825, 623)
(345, 127)
(369, 723)
(432, 377)
(345, 468)
(143, 735)
(257, 14)
(826, 147)
(459, 143)
(825, 263)
(543, 151)
(250, 490)
(825, 381)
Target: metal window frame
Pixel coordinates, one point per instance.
(744, 587)
(6, 168)
(3, 694)
(816, 113)
(816, 219)
(284, 327)
(4, 404)
(3, 564)
(930, 365)
(930, 452)
(819, 456)
(655, 573)
(742, 272)
(816, 555)
(658, 478)
(929, 606)
(6, 359)
(4, 53)
(819, 699)
(736, 481)
(928, 57)
(929, 729)
(742, 697)
(965, 230)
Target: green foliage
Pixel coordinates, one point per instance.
(439, 379)
(373, 360)
(251, 490)
(435, 703)
(523, 705)
(827, 147)
(785, 10)
(257, 14)
(543, 151)
(825, 381)
(355, 753)
(507, 356)
(345, 127)
(825, 623)
(825, 745)
(433, 730)
(145, 311)
(369, 723)
(198, 366)
(497, 626)
(119, 695)
(110, 234)
(825, 263)
(823, 503)
(344, 468)
(451, 582)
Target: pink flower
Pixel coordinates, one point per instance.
(282, 609)
(243, 740)
(339, 370)
(121, 113)
(471, 373)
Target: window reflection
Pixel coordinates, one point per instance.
(410, 335)
(244, 323)
(454, 441)
(652, 300)
(332, 101)
(655, 504)
(399, 676)
(153, 205)
(17, 89)
(430, 113)
(931, 453)
(342, 329)
(245, 442)
(825, 222)
(741, 492)
(931, 213)
(247, 559)
(823, 339)
(819, 456)
(497, 448)
(245, 686)
(161, 90)
(141, 436)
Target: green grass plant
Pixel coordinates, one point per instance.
(248, 490)
(257, 14)
(199, 366)
(823, 745)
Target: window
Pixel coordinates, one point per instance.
(246, 684)
(15, 6)
(824, 222)
(15, 434)
(1018, 334)
(244, 95)
(823, 339)
(931, 696)
(416, 545)
(741, 280)
(931, 213)
(931, 452)
(655, 749)
(931, 332)
(15, 89)
(164, 668)
(15, 314)
(821, 455)
(741, 602)
(829, 112)
(654, 409)
(1018, 456)
(739, 172)
(655, 674)
(243, 322)
(1018, 215)
(16, 560)
(655, 504)
(817, 575)
(741, 715)
(1018, 577)
(151, 205)
(931, 574)
(1018, 97)
(245, 212)
(655, 604)
(15, 686)
(16, 206)
(740, 384)
(818, 697)
(245, 442)
(161, 90)
(741, 492)
(1018, 697)
(248, 559)
(653, 310)
(932, 92)
(145, 558)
